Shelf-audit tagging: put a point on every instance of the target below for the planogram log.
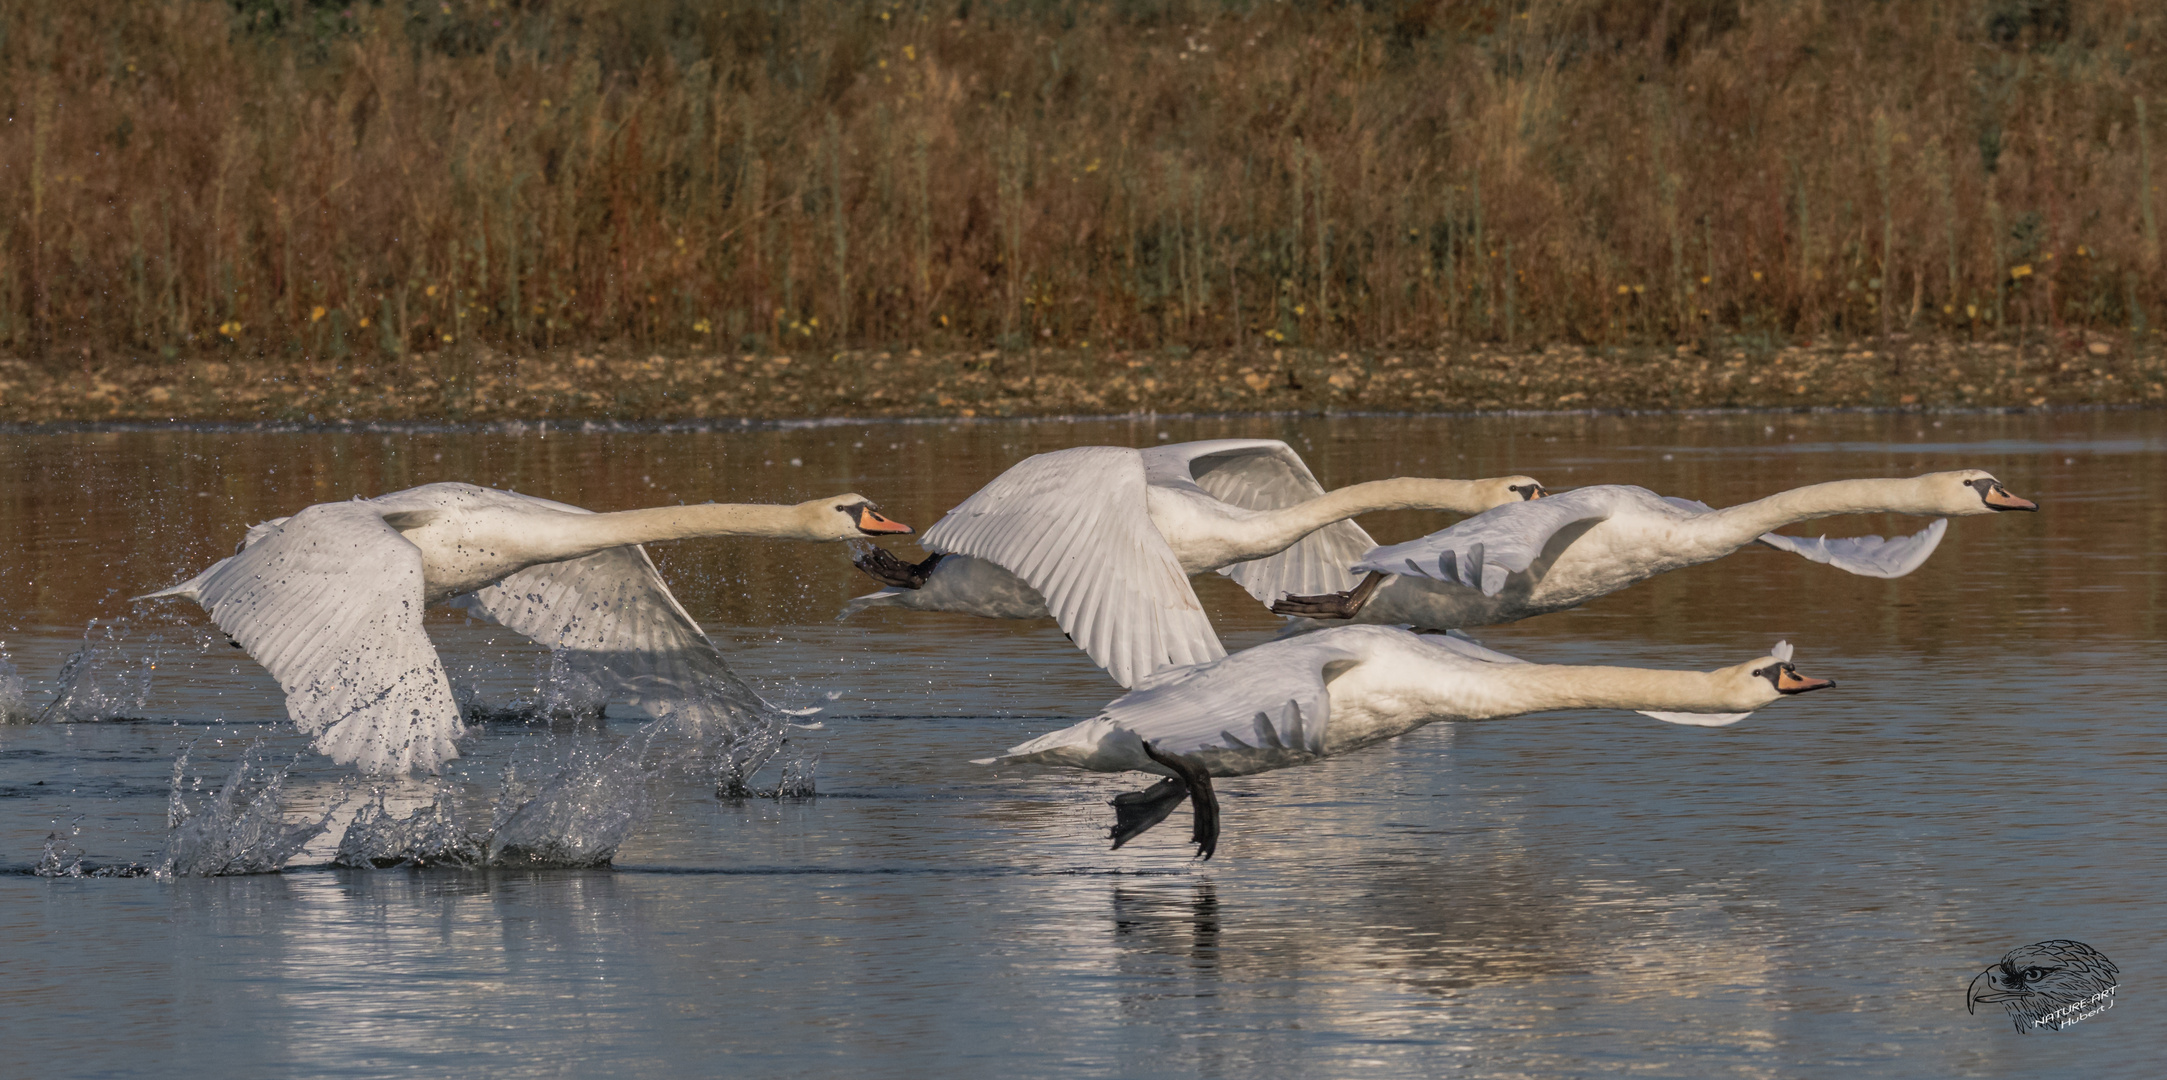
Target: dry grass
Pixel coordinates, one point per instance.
(414, 190)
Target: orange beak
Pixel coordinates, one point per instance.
(871, 521)
(1789, 681)
(1999, 498)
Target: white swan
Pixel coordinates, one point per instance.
(1295, 700)
(330, 602)
(1104, 538)
(1522, 560)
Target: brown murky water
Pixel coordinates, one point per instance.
(1559, 895)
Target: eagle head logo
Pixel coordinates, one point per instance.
(2050, 985)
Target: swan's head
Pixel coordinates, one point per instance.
(1762, 681)
(1970, 491)
(1504, 490)
(850, 517)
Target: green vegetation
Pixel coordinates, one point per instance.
(409, 189)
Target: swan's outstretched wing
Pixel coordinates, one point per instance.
(1698, 719)
(1483, 550)
(1265, 474)
(1868, 556)
(1073, 525)
(611, 619)
(330, 602)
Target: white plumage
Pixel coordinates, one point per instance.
(1293, 701)
(1106, 574)
(1103, 539)
(1524, 559)
(330, 601)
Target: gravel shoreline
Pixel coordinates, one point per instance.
(638, 386)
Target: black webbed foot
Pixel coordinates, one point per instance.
(882, 566)
(1339, 605)
(1136, 812)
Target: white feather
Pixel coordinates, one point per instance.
(1073, 525)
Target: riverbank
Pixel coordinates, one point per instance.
(624, 385)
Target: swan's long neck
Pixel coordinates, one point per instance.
(587, 533)
(1407, 493)
(1742, 523)
(1525, 688)
(1260, 534)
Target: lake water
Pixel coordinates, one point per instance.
(1806, 893)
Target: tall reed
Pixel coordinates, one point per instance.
(383, 181)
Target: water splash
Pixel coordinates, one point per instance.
(432, 835)
(63, 855)
(570, 801)
(564, 699)
(101, 681)
(63, 858)
(238, 830)
(572, 809)
(581, 814)
(724, 732)
(14, 696)
(796, 778)
(743, 753)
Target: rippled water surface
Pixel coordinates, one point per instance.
(1806, 893)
